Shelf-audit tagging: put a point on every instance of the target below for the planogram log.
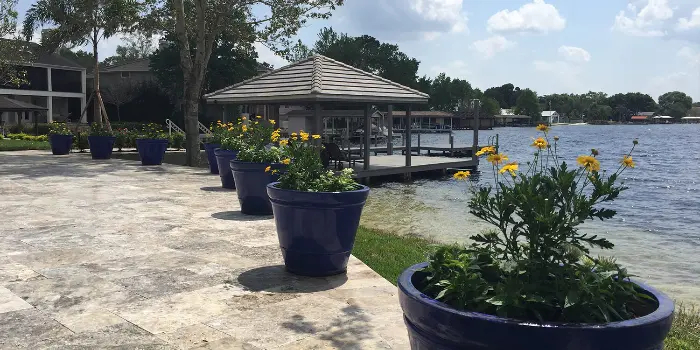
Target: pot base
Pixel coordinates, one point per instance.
(315, 265)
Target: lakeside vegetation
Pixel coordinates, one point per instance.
(389, 254)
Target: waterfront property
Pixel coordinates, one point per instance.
(117, 254)
(328, 90)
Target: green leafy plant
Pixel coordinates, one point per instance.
(125, 138)
(152, 131)
(80, 141)
(536, 265)
(57, 128)
(305, 171)
(100, 130)
(25, 137)
(177, 140)
(257, 138)
(229, 135)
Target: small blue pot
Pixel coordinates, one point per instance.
(211, 157)
(61, 144)
(436, 326)
(152, 151)
(101, 146)
(316, 230)
(223, 157)
(252, 181)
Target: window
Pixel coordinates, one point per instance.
(126, 74)
(66, 80)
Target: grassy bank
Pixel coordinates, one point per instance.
(21, 145)
(389, 254)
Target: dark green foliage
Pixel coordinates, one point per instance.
(100, 130)
(59, 129)
(528, 104)
(21, 145)
(151, 131)
(80, 141)
(125, 138)
(177, 140)
(675, 104)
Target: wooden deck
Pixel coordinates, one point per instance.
(396, 165)
(444, 149)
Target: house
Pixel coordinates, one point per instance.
(127, 73)
(55, 82)
(512, 120)
(642, 117)
(550, 116)
(662, 119)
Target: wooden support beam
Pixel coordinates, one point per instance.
(475, 145)
(367, 134)
(407, 131)
(318, 119)
(390, 131)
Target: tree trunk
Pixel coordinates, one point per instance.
(191, 113)
(97, 112)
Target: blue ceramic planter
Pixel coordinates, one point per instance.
(436, 326)
(316, 230)
(211, 157)
(61, 144)
(251, 186)
(101, 146)
(223, 158)
(152, 151)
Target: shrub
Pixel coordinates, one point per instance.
(100, 130)
(80, 141)
(59, 129)
(256, 141)
(25, 137)
(536, 265)
(177, 140)
(125, 138)
(152, 131)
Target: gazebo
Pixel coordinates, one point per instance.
(328, 88)
(18, 108)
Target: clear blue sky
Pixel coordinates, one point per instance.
(651, 46)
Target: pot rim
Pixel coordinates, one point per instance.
(149, 139)
(663, 311)
(273, 186)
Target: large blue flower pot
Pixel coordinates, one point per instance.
(316, 230)
(101, 146)
(152, 151)
(211, 157)
(436, 326)
(251, 186)
(223, 158)
(61, 144)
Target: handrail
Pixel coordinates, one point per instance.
(204, 129)
(172, 126)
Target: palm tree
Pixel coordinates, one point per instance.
(81, 22)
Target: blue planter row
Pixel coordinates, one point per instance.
(101, 146)
(61, 144)
(152, 151)
(222, 159)
(433, 325)
(211, 157)
(252, 180)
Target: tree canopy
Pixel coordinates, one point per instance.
(11, 48)
(135, 46)
(675, 103)
(528, 104)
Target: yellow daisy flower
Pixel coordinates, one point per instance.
(486, 150)
(244, 128)
(627, 162)
(543, 127)
(540, 143)
(510, 167)
(588, 162)
(496, 158)
(272, 122)
(267, 170)
(283, 142)
(461, 175)
(316, 137)
(286, 161)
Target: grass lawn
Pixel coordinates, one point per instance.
(20, 145)
(390, 254)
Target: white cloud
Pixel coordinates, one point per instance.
(649, 21)
(689, 23)
(405, 19)
(493, 45)
(266, 55)
(574, 54)
(454, 69)
(679, 81)
(537, 16)
(693, 56)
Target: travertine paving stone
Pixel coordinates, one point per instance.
(97, 254)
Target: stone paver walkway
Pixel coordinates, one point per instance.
(97, 254)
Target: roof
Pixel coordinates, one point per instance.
(349, 113)
(49, 59)
(647, 114)
(663, 117)
(692, 118)
(640, 117)
(317, 79)
(139, 65)
(548, 113)
(11, 105)
(419, 114)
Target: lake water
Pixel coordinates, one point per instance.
(656, 231)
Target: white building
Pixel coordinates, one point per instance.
(56, 83)
(550, 116)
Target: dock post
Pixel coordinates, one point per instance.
(408, 136)
(368, 135)
(390, 130)
(475, 145)
(418, 151)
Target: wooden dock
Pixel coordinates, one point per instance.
(396, 165)
(446, 150)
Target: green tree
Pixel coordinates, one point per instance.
(10, 73)
(369, 54)
(198, 23)
(528, 104)
(675, 103)
(135, 46)
(489, 107)
(83, 58)
(80, 22)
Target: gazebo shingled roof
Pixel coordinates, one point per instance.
(317, 79)
(11, 105)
